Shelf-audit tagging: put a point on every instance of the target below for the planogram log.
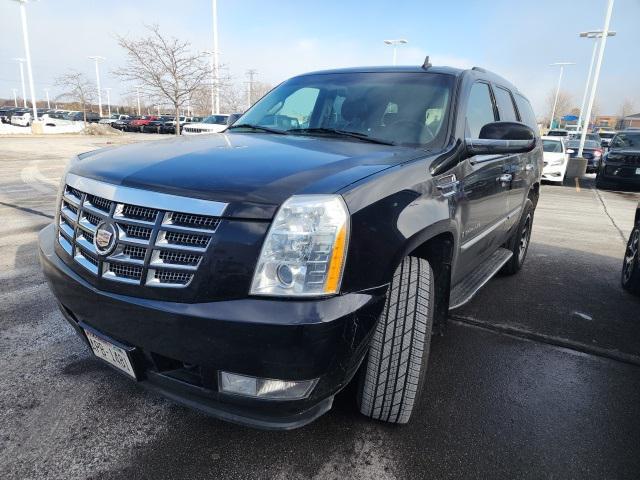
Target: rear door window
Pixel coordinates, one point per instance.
(526, 112)
(479, 108)
(505, 105)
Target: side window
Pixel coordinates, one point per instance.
(526, 112)
(479, 108)
(505, 105)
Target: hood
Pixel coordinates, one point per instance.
(252, 172)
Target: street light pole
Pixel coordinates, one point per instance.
(108, 90)
(96, 59)
(24, 90)
(15, 97)
(594, 34)
(216, 61)
(596, 75)
(555, 101)
(250, 74)
(395, 44)
(46, 92)
(27, 54)
(138, 98)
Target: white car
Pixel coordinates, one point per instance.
(22, 119)
(113, 118)
(556, 157)
(211, 124)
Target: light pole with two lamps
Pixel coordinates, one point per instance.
(395, 44)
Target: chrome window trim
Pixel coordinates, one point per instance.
(146, 198)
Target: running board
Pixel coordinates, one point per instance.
(467, 288)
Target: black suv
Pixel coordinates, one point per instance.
(631, 264)
(620, 166)
(322, 238)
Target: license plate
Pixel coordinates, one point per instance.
(637, 171)
(110, 353)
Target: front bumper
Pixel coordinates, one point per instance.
(181, 347)
(620, 174)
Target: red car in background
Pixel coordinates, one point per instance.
(137, 124)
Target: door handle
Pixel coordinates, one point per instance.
(505, 178)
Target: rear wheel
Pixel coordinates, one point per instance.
(393, 373)
(631, 265)
(519, 241)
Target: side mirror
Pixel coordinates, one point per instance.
(500, 138)
(232, 118)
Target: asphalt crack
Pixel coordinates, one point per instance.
(613, 222)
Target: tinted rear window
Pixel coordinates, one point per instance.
(551, 146)
(526, 112)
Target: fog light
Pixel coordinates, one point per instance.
(265, 387)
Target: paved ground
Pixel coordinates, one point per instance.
(503, 400)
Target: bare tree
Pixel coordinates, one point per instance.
(77, 88)
(164, 68)
(564, 105)
(259, 90)
(627, 108)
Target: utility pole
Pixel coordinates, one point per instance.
(395, 44)
(15, 97)
(46, 92)
(96, 59)
(596, 75)
(216, 60)
(27, 54)
(250, 73)
(108, 89)
(24, 90)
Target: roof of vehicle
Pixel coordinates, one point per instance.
(418, 69)
(552, 138)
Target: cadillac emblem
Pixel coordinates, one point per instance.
(105, 238)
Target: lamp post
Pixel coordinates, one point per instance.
(46, 92)
(108, 90)
(96, 59)
(214, 82)
(15, 97)
(596, 75)
(24, 90)
(395, 44)
(27, 54)
(138, 98)
(250, 73)
(555, 101)
(215, 99)
(594, 34)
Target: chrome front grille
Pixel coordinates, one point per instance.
(161, 239)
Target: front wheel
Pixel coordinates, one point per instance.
(631, 265)
(519, 241)
(393, 373)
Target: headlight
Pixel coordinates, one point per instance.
(305, 250)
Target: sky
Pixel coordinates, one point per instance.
(516, 39)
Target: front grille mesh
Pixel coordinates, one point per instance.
(155, 248)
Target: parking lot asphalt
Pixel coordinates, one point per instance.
(535, 378)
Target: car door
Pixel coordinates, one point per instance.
(482, 201)
(514, 165)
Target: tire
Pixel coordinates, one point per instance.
(519, 241)
(393, 373)
(630, 277)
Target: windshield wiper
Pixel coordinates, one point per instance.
(259, 128)
(341, 133)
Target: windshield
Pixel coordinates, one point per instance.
(551, 146)
(558, 133)
(587, 144)
(400, 108)
(626, 140)
(216, 119)
(607, 134)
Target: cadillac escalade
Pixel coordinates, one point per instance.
(318, 241)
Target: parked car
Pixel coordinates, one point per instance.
(558, 132)
(588, 136)
(91, 117)
(21, 118)
(153, 126)
(322, 239)
(113, 118)
(621, 164)
(631, 265)
(211, 124)
(556, 157)
(592, 152)
(605, 137)
(137, 124)
(6, 113)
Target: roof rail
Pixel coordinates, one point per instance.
(479, 69)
